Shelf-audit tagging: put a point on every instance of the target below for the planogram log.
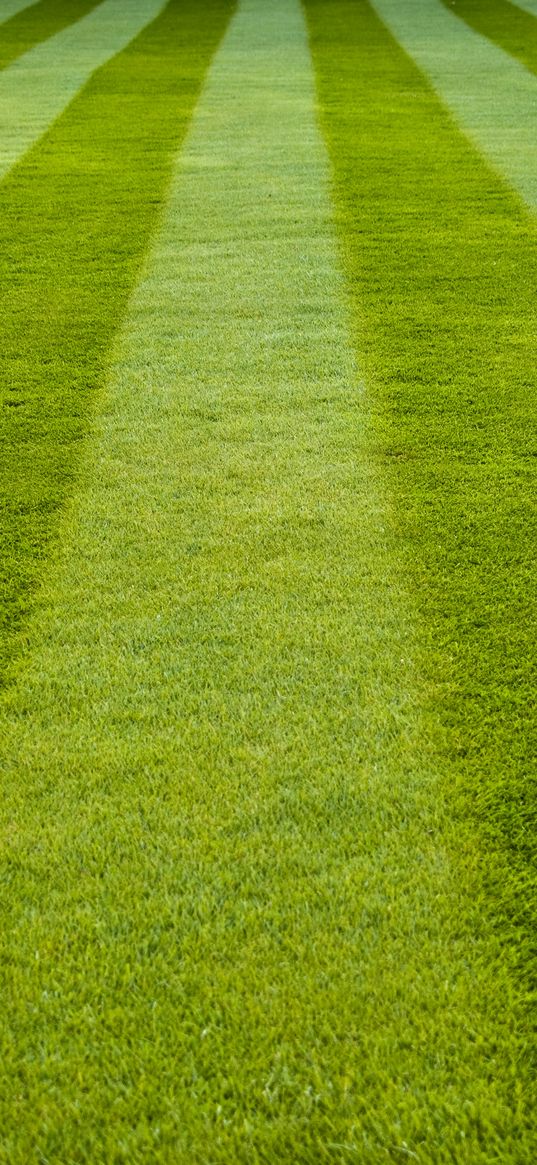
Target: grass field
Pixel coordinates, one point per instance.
(36, 23)
(505, 23)
(267, 587)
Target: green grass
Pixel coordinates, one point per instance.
(36, 23)
(440, 260)
(506, 24)
(10, 8)
(490, 94)
(37, 88)
(75, 218)
(241, 924)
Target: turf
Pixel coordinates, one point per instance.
(75, 219)
(241, 918)
(34, 24)
(10, 8)
(36, 88)
(528, 6)
(440, 258)
(506, 24)
(491, 95)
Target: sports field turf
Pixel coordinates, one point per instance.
(36, 23)
(268, 544)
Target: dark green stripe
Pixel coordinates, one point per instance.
(512, 29)
(441, 263)
(37, 23)
(75, 218)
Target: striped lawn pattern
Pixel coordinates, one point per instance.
(10, 8)
(492, 96)
(95, 183)
(198, 530)
(248, 914)
(504, 23)
(35, 24)
(37, 87)
(441, 260)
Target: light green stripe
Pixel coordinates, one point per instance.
(492, 96)
(10, 8)
(528, 6)
(38, 86)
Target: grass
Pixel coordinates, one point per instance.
(10, 8)
(37, 88)
(490, 94)
(528, 6)
(506, 24)
(36, 23)
(241, 922)
(440, 260)
(76, 215)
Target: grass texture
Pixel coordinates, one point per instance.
(34, 24)
(441, 261)
(491, 95)
(10, 8)
(75, 219)
(240, 923)
(528, 6)
(506, 24)
(36, 88)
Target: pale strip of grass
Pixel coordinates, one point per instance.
(231, 930)
(528, 6)
(492, 96)
(36, 88)
(37, 23)
(11, 7)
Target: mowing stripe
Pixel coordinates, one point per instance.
(75, 218)
(507, 25)
(528, 6)
(233, 929)
(493, 97)
(440, 256)
(11, 7)
(36, 88)
(35, 24)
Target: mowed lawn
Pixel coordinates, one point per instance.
(267, 590)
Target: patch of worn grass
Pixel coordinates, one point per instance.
(506, 24)
(440, 258)
(234, 930)
(75, 218)
(36, 23)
